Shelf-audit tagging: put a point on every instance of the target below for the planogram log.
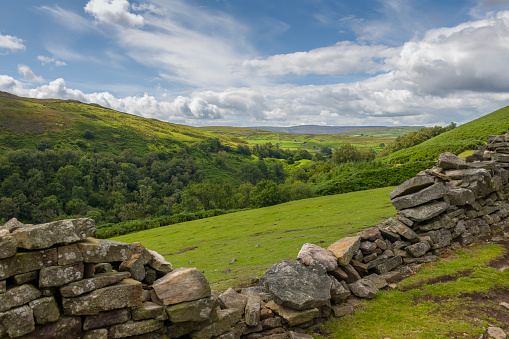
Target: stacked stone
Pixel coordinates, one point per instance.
(58, 282)
(451, 204)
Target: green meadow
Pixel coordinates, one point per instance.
(455, 297)
(262, 237)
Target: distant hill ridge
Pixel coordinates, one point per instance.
(314, 129)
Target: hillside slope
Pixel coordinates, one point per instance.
(464, 137)
(50, 123)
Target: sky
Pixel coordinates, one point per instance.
(263, 62)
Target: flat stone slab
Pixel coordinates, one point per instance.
(134, 328)
(311, 254)
(56, 276)
(64, 327)
(196, 310)
(105, 319)
(77, 288)
(412, 185)
(24, 262)
(100, 250)
(459, 196)
(58, 232)
(126, 293)
(426, 211)
(344, 249)
(182, 284)
(18, 296)
(396, 226)
(226, 321)
(16, 322)
(433, 192)
(297, 286)
(294, 317)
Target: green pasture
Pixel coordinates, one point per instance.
(262, 237)
(456, 297)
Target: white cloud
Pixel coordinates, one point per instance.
(343, 58)
(69, 19)
(28, 75)
(50, 60)
(113, 12)
(11, 43)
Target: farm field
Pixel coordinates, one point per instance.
(361, 137)
(259, 238)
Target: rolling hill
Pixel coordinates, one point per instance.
(464, 137)
(49, 123)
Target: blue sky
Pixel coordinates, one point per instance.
(263, 62)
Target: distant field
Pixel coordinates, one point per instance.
(262, 237)
(361, 137)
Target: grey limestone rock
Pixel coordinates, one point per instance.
(426, 211)
(412, 185)
(433, 192)
(297, 286)
(364, 288)
(448, 160)
(58, 232)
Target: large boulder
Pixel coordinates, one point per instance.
(412, 185)
(433, 192)
(182, 284)
(344, 249)
(311, 254)
(53, 233)
(297, 286)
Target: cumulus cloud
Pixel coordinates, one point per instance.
(449, 74)
(11, 43)
(343, 58)
(114, 12)
(28, 75)
(50, 60)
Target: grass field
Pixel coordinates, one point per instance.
(361, 137)
(262, 237)
(456, 297)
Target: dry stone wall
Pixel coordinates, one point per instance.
(56, 281)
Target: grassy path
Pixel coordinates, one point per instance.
(262, 237)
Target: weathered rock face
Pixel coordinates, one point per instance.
(57, 232)
(459, 196)
(91, 284)
(311, 254)
(183, 284)
(297, 286)
(398, 227)
(344, 249)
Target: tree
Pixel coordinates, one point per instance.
(266, 193)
